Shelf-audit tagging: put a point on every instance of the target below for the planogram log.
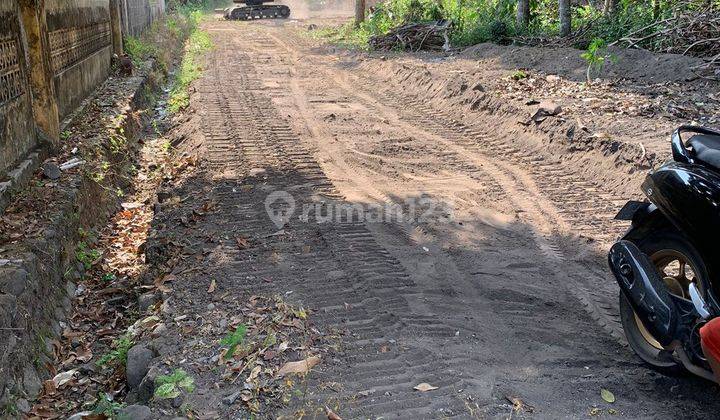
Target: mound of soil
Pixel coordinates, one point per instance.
(640, 66)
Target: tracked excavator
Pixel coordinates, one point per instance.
(257, 9)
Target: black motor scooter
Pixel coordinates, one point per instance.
(668, 263)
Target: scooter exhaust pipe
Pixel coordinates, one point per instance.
(642, 285)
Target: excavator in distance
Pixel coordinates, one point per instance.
(256, 9)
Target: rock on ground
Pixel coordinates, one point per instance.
(138, 363)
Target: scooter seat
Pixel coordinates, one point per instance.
(706, 149)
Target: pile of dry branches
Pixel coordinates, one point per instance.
(687, 32)
(414, 37)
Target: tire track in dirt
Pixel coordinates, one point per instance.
(549, 218)
(465, 328)
(244, 133)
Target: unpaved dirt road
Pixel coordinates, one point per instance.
(506, 296)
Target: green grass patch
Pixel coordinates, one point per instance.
(139, 49)
(86, 255)
(106, 407)
(346, 36)
(190, 69)
(117, 356)
(169, 386)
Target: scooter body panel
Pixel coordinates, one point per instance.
(689, 197)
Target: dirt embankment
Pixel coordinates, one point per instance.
(613, 130)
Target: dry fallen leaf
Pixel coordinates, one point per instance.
(84, 354)
(160, 282)
(519, 405)
(424, 387)
(49, 387)
(331, 415)
(63, 377)
(607, 395)
(242, 243)
(213, 284)
(255, 372)
(300, 367)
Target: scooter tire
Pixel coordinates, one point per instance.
(652, 244)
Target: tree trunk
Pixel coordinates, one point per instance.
(609, 7)
(523, 13)
(656, 9)
(359, 12)
(565, 18)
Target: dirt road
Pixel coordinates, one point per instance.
(496, 289)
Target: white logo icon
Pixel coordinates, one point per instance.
(280, 206)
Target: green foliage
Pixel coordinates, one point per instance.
(107, 407)
(519, 75)
(138, 49)
(345, 35)
(118, 356)
(475, 21)
(233, 339)
(169, 386)
(596, 55)
(10, 409)
(86, 255)
(190, 69)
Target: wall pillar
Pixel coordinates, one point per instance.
(116, 26)
(44, 102)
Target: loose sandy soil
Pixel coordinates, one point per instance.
(505, 297)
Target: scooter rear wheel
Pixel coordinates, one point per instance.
(679, 263)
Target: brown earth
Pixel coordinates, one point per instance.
(492, 287)
(506, 296)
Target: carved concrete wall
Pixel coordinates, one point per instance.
(80, 53)
(17, 133)
(80, 48)
(138, 15)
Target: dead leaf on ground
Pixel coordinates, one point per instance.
(331, 415)
(255, 372)
(242, 243)
(519, 405)
(64, 377)
(49, 387)
(299, 367)
(424, 387)
(213, 284)
(84, 354)
(160, 282)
